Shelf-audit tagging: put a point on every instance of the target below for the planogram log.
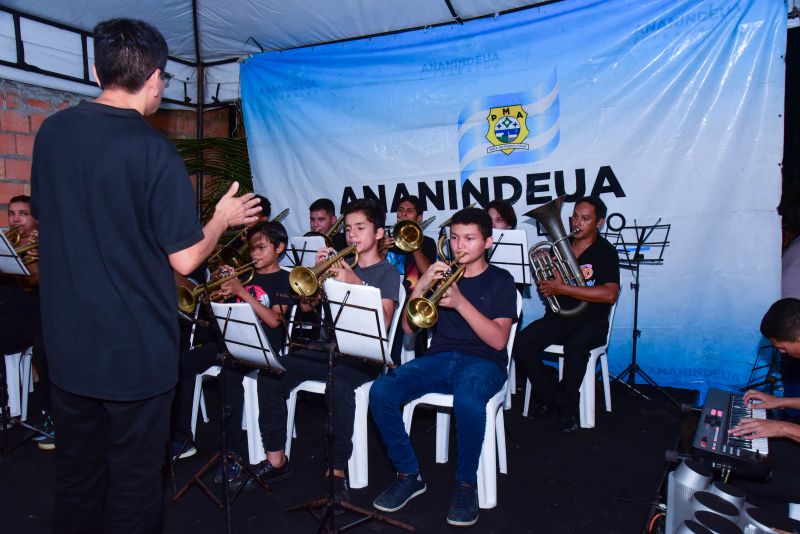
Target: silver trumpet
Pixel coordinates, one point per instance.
(547, 257)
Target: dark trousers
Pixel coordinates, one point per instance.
(20, 330)
(196, 361)
(302, 365)
(782, 488)
(578, 338)
(108, 463)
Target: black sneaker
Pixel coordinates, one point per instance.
(403, 489)
(46, 426)
(183, 449)
(234, 469)
(268, 473)
(463, 505)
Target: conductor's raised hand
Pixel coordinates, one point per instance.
(238, 211)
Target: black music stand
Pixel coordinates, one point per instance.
(347, 309)
(11, 263)
(244, 342)
(645, 246)
(510, 252)
(302, 250)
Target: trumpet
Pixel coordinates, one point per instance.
(327, 236)
(14, 234)
(549, 257)
(422, 311)
(306, 281)
(236, 257)
(188, 298)
(408, 235)
(22, 252)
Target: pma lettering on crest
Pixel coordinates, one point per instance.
(507, 129)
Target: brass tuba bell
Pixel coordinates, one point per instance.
(547, 257)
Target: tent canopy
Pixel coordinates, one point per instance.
(226, 31)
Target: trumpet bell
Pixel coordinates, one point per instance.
(407, 235)
(422, 313)
(304, 281)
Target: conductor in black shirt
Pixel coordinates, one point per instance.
(116, 214)
(578, 334)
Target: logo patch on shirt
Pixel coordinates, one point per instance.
(588, 272)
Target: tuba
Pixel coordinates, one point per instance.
(306, 281)
(421, 311)
(327, 236)
(547, 257)
(188, 298)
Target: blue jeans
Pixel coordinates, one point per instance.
(472, 381)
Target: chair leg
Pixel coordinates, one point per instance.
(255, 446)
(512, 385)
(487, 465)
(198, 393)
(11, 361)
(606, 382)
(442, 435)
(291, 405)
(25, 383)
(527, 403)
(358, 465)
(500, 432)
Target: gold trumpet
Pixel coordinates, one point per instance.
(306, 281)
(408, 235)
(22, 252)
(327, 236)
(236, 257)
(422, 311)
(188, 298)
(13, 235)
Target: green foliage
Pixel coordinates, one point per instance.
(222, 161)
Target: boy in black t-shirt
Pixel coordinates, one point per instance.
(267, 242)
(467, 359)
(579, 334)
(364, 221)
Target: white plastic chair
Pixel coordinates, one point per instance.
(18, 380)
(358, 465)
(493, 451)
(587, 391)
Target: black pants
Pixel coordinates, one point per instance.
(196, 361)
(578, 338)
(20, 330)
(109, 457)
(302, 365)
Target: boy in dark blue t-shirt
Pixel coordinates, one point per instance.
(467, 359)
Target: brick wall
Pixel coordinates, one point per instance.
(23, 107)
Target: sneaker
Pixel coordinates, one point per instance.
(268, 473)
(47, 426)
(463, 505)
(182, 449)
(403, 489)
(234, 469)
(47, 443)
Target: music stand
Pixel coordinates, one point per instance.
(510, 252)
(11, 263)
(302, 250)
(644, 246)
(353, 318)
(244, 342)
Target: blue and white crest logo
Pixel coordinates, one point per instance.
(507, 129)
(520, 128)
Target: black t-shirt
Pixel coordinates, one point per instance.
(600, 265)
(268, 288)
(113, 200)
(493, 293)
